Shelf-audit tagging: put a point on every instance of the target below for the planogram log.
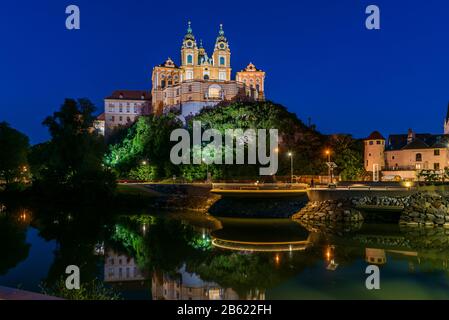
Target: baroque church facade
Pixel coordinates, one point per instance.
(202, 80)
(198, 81)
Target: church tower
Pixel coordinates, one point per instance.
(446, 121)
(189, 54)
(222, 57)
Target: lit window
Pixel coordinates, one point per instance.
(418, 157)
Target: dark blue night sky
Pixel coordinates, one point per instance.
(321, 61)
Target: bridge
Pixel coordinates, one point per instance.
(255, 190)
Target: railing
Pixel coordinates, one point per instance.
(368, 188)
(259, 186)
(399, 168)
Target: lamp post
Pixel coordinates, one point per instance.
(330, 169)
(290, 154)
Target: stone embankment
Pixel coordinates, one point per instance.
(329, 210)
(429, 209)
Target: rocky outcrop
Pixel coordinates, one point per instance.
(329, 210)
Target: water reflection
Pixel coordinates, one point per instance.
(190, 256)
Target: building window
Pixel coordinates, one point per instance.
(222, 61)
(135, 109)
(371, 143)
(392, 158)
(120, 119)
(190, 88)
(378, 142)
(189, 75)
(369, 154)
(112, 118)
(163, 84)
(367, 163)
(206, 77)
(222, 75)
(214, 91)
(111, 108)
(436, 152)
(189, 59)
(418, 157)
(120, 109)
(128, 109)
(436, 166)
(128, 119)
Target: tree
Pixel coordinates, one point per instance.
(147, 140)
(74, 155)
(348, 156)
(306, 143)
(14, 147)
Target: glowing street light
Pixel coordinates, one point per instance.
(290, 154)
(330, 165)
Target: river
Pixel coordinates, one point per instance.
(181, 255)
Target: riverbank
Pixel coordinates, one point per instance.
(420, 209)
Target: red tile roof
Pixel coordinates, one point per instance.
(131, 95)
(101, 117)
(375, 135)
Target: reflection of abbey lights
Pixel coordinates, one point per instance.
(375, 256)
(121, 268)
(260, 246)
(183, 285)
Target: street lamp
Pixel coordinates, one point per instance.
(290, 154)
(330, 168)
